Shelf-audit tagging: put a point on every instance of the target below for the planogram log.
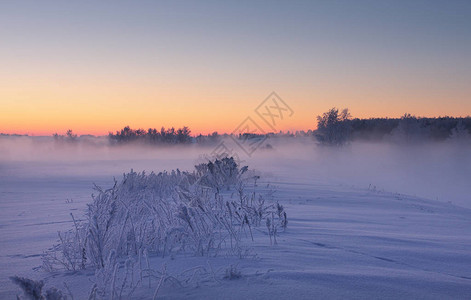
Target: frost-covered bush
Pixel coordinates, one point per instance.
(205, 212)
(220, 173)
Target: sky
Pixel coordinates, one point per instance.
(97, 66)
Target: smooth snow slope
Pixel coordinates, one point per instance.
(360, 244)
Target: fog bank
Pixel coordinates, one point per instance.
(438, 171)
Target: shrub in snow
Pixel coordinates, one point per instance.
(205, 212)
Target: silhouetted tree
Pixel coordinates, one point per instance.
(69, 137)
(333, 128)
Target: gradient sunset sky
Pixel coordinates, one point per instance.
(97, 66)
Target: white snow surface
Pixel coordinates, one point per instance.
(355, 231)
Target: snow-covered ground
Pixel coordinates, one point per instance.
(352, 232)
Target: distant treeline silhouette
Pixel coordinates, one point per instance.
(334, 128)
(338, 128)
(411, 127)
(183, 136)
(152, 135)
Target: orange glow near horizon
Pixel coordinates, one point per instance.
(39, 107)
(201, 114)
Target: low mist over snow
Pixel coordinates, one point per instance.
(436, 170)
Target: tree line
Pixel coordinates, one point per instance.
(334, 128)
(152, 135)
(337, 128)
